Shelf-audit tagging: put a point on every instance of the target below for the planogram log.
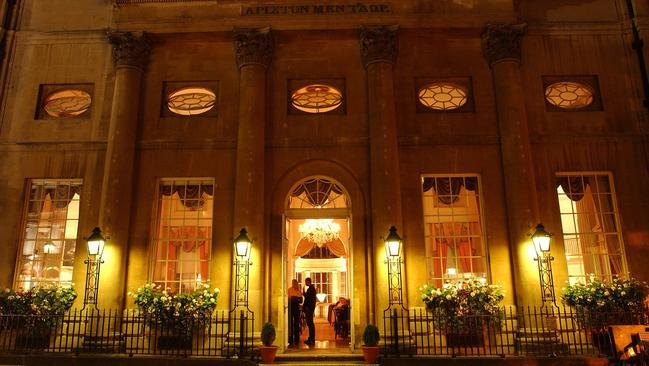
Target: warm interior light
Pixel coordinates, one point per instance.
(451, 271)
(317, 98)
(67, 103)
(321, 297)
(96, 243)
(190, 101)
(320, 231)
(393, 242)
(242, 244)
(49, 248)
(541, 239)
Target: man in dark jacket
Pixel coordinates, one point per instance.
(309, 309)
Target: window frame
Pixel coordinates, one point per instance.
(616, 213)
(155, 222)
(29, 182)
(481, 212)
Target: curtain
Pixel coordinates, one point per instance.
(447, 190)
(573, 187)
(604, 203)
(187, 239)
(317, 191)
(304, 246)
(451, 241)
(191, 195)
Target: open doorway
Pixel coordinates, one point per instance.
(317, 241)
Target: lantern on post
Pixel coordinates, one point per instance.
(95, 246)
(393, 244)
(541, 240)
(242, 248)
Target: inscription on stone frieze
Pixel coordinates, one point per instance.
(321, 9)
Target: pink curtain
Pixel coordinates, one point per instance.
(456, 236)
(337, 247)
(176, 243)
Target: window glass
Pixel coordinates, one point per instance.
(50, 229)
(183, 236)
(453, 228)
(591, 236)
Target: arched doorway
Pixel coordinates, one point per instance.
(317, 237)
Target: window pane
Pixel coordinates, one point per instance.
(183, 235)
(591, 237)
(50, 232)
(453, 228)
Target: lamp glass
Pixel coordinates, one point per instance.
(393, 243)
(96, 243)
(541, 239)
(242, 248)
(49, 248)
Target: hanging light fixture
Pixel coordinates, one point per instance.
(320, 231)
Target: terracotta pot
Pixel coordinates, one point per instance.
(371, 353)
(268, 353)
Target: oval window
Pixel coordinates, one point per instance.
(443, 96)
(569, 95)
(191, 101)
(67, 103)
(317, 98)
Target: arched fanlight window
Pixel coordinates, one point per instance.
(318, 193)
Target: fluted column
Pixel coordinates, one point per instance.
(254, 50)
(502, 49)
(379, 46)
(130, 54)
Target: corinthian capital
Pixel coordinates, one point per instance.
(379, 44)
(129, 49)
(253, 46)
(502, 42)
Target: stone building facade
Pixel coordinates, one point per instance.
(380, 146)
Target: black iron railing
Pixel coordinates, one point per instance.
(224, 334)
(522, 331)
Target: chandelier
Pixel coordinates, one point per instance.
(320, 231)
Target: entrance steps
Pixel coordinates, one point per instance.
(541, 342)
(311, 359)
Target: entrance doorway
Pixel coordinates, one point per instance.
(317, 243)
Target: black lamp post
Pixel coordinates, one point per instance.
(541, 239)
(95, 244)
(242, 246)
(393, 245)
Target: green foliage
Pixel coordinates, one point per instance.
(371, 335)
(46, 305)
(464, 306)
(602, 303)
(182, 312)
(268, 334)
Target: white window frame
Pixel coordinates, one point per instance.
(430, 260)
(618, 225)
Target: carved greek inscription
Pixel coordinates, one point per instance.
(321, 9)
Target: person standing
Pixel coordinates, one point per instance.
(309, 309)
(294, 301)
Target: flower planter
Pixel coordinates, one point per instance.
(268, 353)
(175, 342)
(467, 339)
(371, 354)
(33, 340)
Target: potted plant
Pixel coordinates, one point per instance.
(36, 313)
(602, 303)
(175, 317)
(370, 346)
(464, 310)
(267, 350)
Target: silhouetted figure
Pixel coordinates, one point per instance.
(294, 301)
(309, 309)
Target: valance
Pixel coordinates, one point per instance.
(317, 191)
(448, 189)
(191, 195)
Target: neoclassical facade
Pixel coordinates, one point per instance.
(171, 125)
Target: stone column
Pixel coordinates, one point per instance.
(130, 54)
(502, 49)
(254, 50)
(379, 46)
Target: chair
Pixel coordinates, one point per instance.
(341, 324)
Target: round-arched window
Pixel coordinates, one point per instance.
(67, 103)
(191, 101)
(443, 96)
(318, 193)
(317, 98)
(569, 95)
